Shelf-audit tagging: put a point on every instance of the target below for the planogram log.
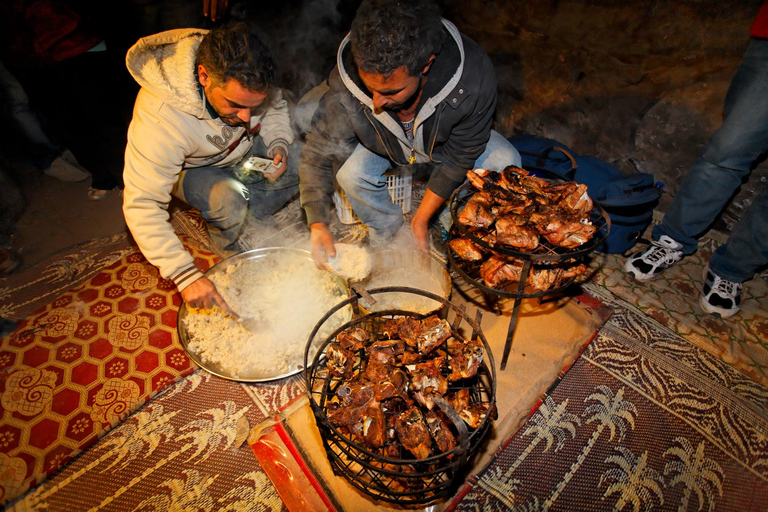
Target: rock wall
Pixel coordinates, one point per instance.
(640, 84)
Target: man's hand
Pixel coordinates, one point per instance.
(215, 9)
(420, 222)
(202, 294)
(321, 241)
(420, 229)
(281, 163)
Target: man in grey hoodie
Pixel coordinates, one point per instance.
(408, 89)
(208, 102)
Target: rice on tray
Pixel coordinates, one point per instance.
(286, 293)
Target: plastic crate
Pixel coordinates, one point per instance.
(399, 184)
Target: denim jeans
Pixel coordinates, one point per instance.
(362, 178)
(720, 170)
(226, 196)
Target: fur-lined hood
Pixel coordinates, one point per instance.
(164, 64)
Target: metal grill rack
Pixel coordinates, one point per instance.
(404, 480)
(546, 255)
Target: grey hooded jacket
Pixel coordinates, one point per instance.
(451, 129)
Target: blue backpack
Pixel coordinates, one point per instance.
(628, 199)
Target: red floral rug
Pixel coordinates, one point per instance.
(185, 450)
(78, 366)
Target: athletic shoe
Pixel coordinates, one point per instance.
(720, 297)
(9, 260)
(659, 256)
(97, 194)
(65, 171)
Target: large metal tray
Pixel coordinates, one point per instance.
(221, 267)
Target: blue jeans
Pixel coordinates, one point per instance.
(226, 196)
(724, 164)
(362, 178)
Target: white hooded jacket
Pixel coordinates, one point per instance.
(171, 130)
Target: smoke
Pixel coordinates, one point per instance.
(303, 37)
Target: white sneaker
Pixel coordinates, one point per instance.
(720, 297)
(64, 171)
(659, 256)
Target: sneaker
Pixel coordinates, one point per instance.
(720, 297)
(65, 171)
(97, 194)
(654, 260)
(9, 260)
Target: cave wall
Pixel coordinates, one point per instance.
(640, 84)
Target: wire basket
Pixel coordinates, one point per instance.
(399, 184)
(402, 479)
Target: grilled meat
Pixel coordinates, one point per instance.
(340, 361)
(441, 432)
(353, 339)
(466, 249)
(466, 360)
(435, 332)
(413, 433)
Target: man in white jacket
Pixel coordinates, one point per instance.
(208, 102)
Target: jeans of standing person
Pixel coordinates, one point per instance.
(225, 196)
(362, 179)
(726, 161)
(16, 102)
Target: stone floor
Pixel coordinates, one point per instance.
(59, 215)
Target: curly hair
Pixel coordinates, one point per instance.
(388, 34)
(234, 51)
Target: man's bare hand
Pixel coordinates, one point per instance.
(281, 163)
(215, 9)
(321, 241)
(420, 229)
(202, 294)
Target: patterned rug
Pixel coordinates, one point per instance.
(643, 421)
(79, 365)
(185, 450)
(22, 293)
(673, 300)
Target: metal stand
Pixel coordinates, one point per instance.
(515, 312)
(544, 255)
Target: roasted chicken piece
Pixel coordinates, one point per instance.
(571, 195)
(498, 270)
(412, 433)
(341, 361)
(546, 279)
(562, 227)
(441, 431)
(353, 339)
(514, 231)
(466, 249)
(475, 214)
(466, 360)
(434, 332)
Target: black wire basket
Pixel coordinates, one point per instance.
(399, 477)
(545, 256)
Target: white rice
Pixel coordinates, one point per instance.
(287, 294)
(351, 261)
